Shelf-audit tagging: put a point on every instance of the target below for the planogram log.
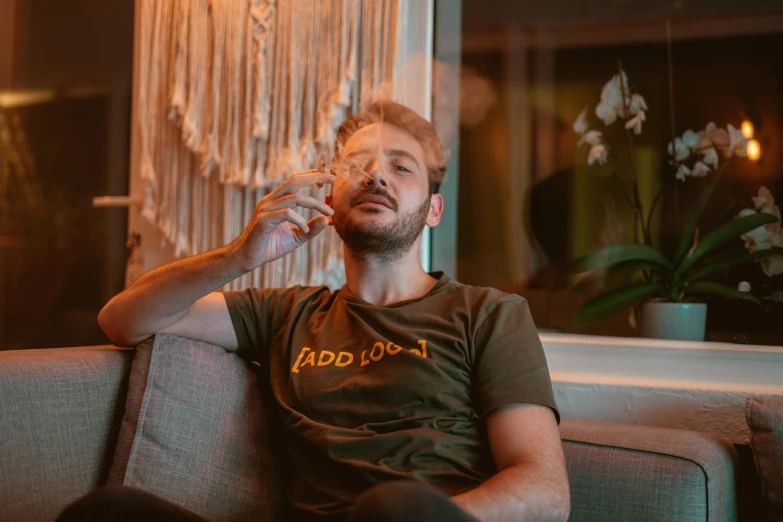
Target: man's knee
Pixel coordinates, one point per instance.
(101, 503)
(398, 501)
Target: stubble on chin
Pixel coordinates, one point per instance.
(387, 241)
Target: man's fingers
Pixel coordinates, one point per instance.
(304, 179)
(316, 226)
(278, 216)
(298, 199)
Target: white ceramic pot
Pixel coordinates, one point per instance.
(680, 321)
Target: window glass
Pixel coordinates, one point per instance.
(529, 202)
(65, 83)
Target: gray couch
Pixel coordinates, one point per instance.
(61, 411)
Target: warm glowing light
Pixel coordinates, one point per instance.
(11, 99)
(754, 150)
(747, 129)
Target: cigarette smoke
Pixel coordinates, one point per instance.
(477, 96)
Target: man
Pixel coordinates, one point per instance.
(404, 395)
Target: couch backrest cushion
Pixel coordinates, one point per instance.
(60, 412)
(195, 432)
(764, 416)
(646, 474)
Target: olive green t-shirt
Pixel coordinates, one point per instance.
(371, 393)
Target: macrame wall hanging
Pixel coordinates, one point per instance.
(234, 96)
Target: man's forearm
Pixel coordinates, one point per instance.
(518, 494)
(163, 295)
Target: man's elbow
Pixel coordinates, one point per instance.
(107, 325)
(553, 505)
(561, 505)
(561, 511)
(108, 322)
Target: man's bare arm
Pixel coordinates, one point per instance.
(176, 298)
(531, 483)
(180, 297)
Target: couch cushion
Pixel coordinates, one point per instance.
(639, 473)
(60, 413)
(764, 416)
(195, 432)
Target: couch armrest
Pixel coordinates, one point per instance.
(60, 413)
(623, 472)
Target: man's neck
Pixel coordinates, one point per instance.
(383, 282)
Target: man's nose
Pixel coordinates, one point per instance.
(376, 176)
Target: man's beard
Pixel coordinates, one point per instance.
(388, 241)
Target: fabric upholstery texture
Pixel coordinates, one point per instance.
(195, 432)
(764, 416)
(621, 472)
(61, 409)
(60, 412)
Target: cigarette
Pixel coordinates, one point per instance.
(321, 167)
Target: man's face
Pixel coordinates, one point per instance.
(381, 196)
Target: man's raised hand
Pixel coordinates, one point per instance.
(276, 228)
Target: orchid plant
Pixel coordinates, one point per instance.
(682, 274)
(768, 238)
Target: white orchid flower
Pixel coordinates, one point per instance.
(611, 106)
(705, 140)
(637, 104)
(720, 138)
(713, 136)
(606, 113)
(776, 227)
(700, 170)
(635, 123)
(612, 91)
(598, 153)
(690, 138)
(773, 265)
(764, 236)
(705, 136)
(580, 125)
(773, 210)
(683, 172)
(757, 239)
(591, 137)
(764, 199)
(737, 142)
(710, 157)
(680, 151)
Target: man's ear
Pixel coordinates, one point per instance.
(436, 210)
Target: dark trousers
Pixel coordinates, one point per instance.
(396, 501)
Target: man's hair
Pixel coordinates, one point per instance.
(393, 113)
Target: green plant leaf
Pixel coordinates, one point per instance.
(693, 221)
(726, 232)
(613, 301)
(615, 254)
(723, 255)
(709, 268)
(706, 287)
(613, 272)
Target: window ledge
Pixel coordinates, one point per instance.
(676, 384)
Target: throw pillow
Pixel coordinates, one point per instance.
(195, 432)
(764, 416)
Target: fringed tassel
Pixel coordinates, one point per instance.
(235, 96)
(212, 157)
